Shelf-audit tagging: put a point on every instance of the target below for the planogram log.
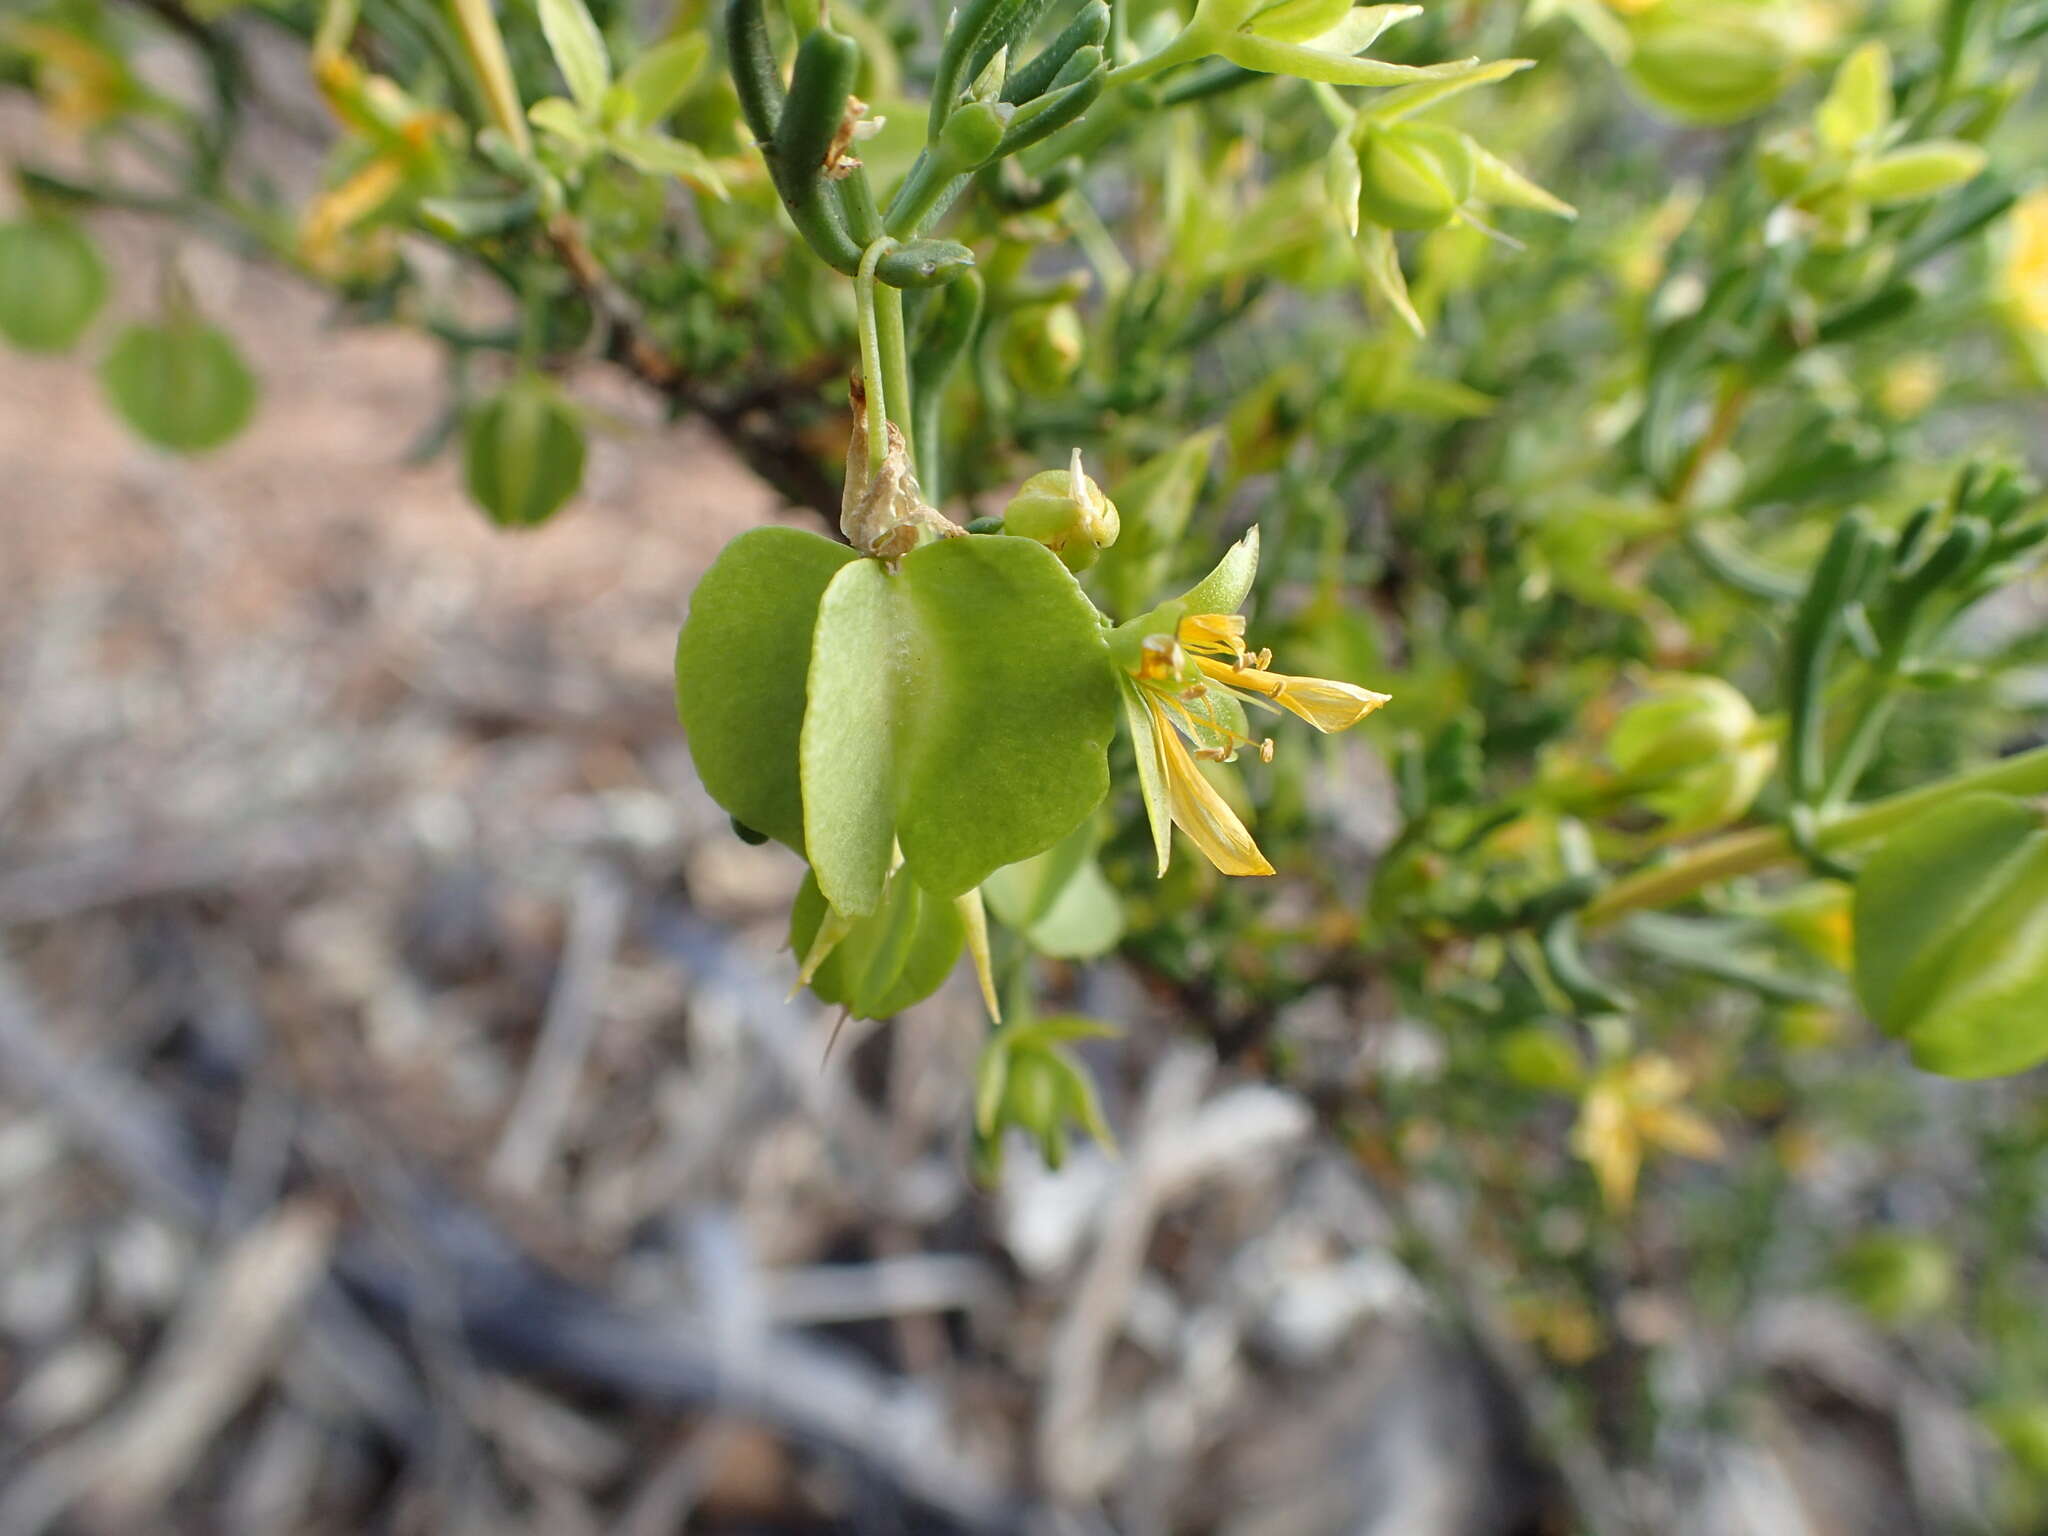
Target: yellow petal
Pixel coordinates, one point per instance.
(1324, 703)
(1198, 810)
(1214, 631)
(1605, 1138)
(1679, 1130)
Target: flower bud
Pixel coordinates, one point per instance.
(1413, 175)
(1693, 747)
(1030, 1081)
(1711, 61)
(1066, 512)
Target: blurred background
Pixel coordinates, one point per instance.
(403, 1125)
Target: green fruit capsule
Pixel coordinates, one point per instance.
(1042, 348)
(1693, 749)
(52, 283)
(1952, 936)
(181, 385)
(1711, 62)
(523, 453)
(1064, 510)
(1413, 175)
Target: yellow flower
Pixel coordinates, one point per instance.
(83, 85)
(2026, 262)
(1194, 685)
(1631, 1107)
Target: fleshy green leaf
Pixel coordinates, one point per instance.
(960, 706)
(52, 283)
(1951, 923)
(741, 662)
(579, 50)
(182, 384)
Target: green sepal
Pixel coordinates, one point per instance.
(1151, 777)
(883, 963)
(1226, 587)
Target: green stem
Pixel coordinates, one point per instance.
(1855, 753)
(873, 373)
(929, 177)
(895, 348)
(1742, 853)
(1334, 106)
(1193, 43)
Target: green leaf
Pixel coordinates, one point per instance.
(1918, 171)
(659, 155)
(181, 385)
(1858, 107)
(566, 121)
(522, 453)
(1304, 63)
(1951, 924)
(1225, 588)
(658, 79)
(1411, 99)
(741, 662)
(52, 283)
(1296, 21)
(579, 50)
(475, 218)
(960, 706)
(884, 963)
